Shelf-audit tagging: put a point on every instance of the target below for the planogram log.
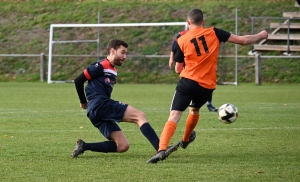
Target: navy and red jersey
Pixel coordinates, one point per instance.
(177, 36)
(101, 78)
(181, 33)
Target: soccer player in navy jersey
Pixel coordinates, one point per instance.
(103, 112)
(209, 105)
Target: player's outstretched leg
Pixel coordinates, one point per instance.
(78, 148)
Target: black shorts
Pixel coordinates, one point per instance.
(189, 93)
(104, 113)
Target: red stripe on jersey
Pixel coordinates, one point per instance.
(106, 65)
(181, 33)
(86, 74)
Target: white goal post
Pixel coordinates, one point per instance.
(52, 42)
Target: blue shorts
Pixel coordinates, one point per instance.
(104, 113)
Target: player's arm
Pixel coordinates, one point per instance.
(171, 60)
(79, 84)
(178, 58)
(179, 67)
(224, 36)
(248, 39)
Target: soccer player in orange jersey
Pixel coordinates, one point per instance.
(209, 105)
(198, 50)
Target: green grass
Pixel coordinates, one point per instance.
(39, 124)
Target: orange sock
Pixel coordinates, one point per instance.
(166, 135)
(190, 125)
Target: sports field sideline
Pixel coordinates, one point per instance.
(39, 124)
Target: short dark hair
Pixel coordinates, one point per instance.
(195, 16)
(115, 43)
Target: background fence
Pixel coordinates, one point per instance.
(256, 69)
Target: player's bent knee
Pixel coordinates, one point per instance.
(141, 115)
(140, 118)
(122, 147)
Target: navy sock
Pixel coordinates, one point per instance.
(209, 99)
(107, 146)
(150, 134)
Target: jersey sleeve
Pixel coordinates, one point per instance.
(222, 35)
(79, 84)
(173, 45)
(178, 54)
(94, 70)
(178, 35)
(174, 42)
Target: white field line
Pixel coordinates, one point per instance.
(202, 130)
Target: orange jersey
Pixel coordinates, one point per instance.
(200, 47)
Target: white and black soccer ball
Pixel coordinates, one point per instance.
(228, 113)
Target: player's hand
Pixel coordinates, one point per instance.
(83, 106)
(171, 63)
(263, 34)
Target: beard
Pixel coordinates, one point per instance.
(118, 61)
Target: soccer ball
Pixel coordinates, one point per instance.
(228, 113)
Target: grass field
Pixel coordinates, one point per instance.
(39, 124)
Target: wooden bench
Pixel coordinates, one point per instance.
(258, 47)
(284, 25)
(283, 37)
(291, 14)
